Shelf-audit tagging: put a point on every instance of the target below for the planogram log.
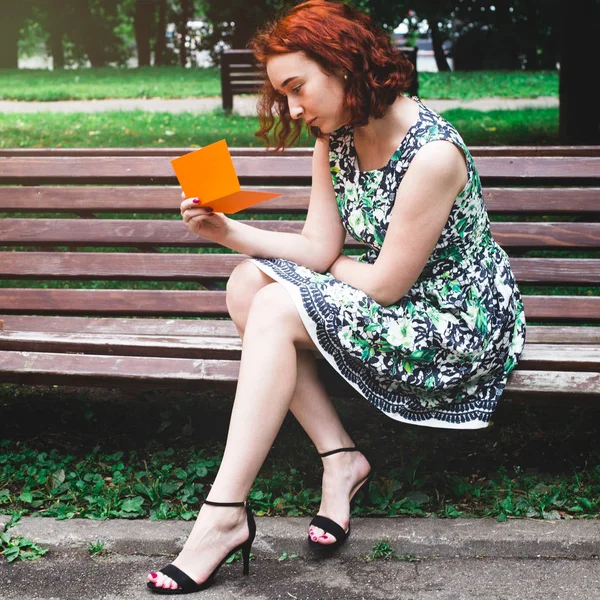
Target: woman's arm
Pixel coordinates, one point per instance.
(424, 199)
(316, 247)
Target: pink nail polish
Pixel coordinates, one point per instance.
(153, 575)
(196, 200)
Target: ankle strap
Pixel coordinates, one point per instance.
(227, 504)
(354, 449)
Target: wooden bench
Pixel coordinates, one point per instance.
(242, 74)
(124, 203)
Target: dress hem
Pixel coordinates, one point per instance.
(312, 331)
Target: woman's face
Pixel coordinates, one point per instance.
(312, 95)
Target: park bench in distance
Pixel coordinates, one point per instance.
(241, 74)
(55, 208)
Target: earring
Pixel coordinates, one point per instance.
(345, 76)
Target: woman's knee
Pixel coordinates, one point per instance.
(245, 281)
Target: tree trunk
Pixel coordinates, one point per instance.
(438, 50)
(579, 118)
(57, 51)
(183, 31)
(161, 42)
(143, 20)
(9, 44)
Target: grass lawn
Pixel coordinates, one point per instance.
(87, 84)
(144, 129)
(174, 82)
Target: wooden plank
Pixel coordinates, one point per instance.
(553, 334)
(96, 370)
(204, 303)
(294, 199)
(547, 334)
(29, 170)
(562, 308)
(557, 357)
(140, 233)
(173, 303)
(247, 151)
(133, 327)
(554, 382)
(84, 369)
(537, 357)
(202, 267)
(536, 334)
(173, 346)
(580, 271)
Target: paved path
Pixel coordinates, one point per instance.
(439, 559)
(242, 105)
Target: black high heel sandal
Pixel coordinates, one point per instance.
(329, 526)
(186, 584)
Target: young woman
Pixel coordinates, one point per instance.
(426, 325)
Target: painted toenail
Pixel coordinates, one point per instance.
(314, 538)
(153, 575)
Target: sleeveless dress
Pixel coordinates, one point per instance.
(440, 355)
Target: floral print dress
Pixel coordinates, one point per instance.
(440, 355)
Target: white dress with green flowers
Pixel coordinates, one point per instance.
(440, 355)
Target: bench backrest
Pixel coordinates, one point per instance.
(99, 235)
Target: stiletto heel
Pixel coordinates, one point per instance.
(186, 584)
(329, 526)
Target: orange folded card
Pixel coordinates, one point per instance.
(209, 174)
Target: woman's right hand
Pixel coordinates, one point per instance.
(203, 220)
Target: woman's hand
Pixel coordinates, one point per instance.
(203, 220)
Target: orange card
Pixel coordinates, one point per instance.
(209, 174)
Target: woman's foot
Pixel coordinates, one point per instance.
(216, 532)
(343, 475)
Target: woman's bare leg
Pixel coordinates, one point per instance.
(276, 348)
(266, 384)
(311, 406)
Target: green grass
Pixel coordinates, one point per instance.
(145, 129)
(102, 454)
(470, 85)
(88, 84)
(174, 82)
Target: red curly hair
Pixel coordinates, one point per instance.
(338, 38)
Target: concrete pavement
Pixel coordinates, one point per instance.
(244, 105)
(439, 559)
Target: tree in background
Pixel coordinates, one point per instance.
(579, 119)
(14, 15)
(144, 25)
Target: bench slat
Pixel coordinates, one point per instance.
(535, 356)
(86, 369)
(184, 303)
(140, 233)
(548, 334)
(203, 267)
(160, 199)
(130, 169)
(183, 346)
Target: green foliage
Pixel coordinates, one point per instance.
(96, 548)
(286, 556)
(381, 550)
(17, 547)
(170, 485)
